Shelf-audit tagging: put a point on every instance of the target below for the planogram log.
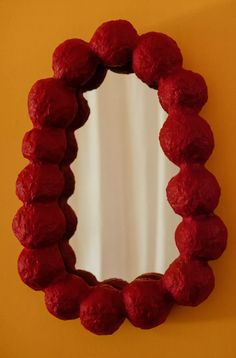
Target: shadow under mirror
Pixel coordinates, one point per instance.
(125, 224)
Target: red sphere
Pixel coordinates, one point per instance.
(156, 56)
(39, 182)
(74, 62)
(71, 148)
(147, 303)
(69, 182)
(68, 255)
(102, 312)
(117, 283)
(51, 103)
(203, 237)
(37, 225)
(71, 219)
(87, 276)
(44, 145)
(189, 283)
(114, 42)
(193, 191)
(82, 113)
(183, 90)
(40, 267)
(186, 138)
(150, 275)
(63, 297)
(96, 80)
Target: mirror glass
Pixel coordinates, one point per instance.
(125, 224)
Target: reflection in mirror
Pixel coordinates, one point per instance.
(125, 224)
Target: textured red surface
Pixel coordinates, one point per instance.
(102, 312)
(70, 219)
(87, 276)
(74, 62)
(63, 297)
(114, 42)
(39, 182)
(193, 191)
(117, 283)
(82, 113)
(156, 56)
(186, 138)
(51, 103)
(184, 90)
(40, 267)
(150, 275)
(39, 224)
(44, 145)
(97, 79)
(71, 148)
(203, 237)
(147, 302)
(189, 282)
(68, 255)
(69, 182)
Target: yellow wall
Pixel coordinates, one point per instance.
(206, 31)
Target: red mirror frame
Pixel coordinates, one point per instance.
(45, 222)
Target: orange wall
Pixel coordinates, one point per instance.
(205, 30)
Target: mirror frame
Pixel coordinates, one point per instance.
(45, 222)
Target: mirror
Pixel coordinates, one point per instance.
(125, 224)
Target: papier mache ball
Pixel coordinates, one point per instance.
(63, 297)
(114, 42)
(74, 62)
(147, 302)
(82, 114)
(39, 224)
(189, 283)
(87, 276)
(102, 312)
(184, 90)
(186, 138)
(97, 79)
(203, 237)
(40, 267)
(39, 182)
(69, 182)
(51, 103)
(68, 255)
(156, 56)
(117, 283)
(71, 148)
(70, 219)
(44, 145)
(193, 191)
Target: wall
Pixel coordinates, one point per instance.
(205, 31)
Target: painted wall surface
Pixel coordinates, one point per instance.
(205, 31)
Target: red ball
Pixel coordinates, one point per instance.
(39, 182)
(147, 303)
(71, 148)
(51, 103)
(156, 56)
(102, 312)
(186, 138)
(193, 191)
(117, 283)
(114, 42)
(69, 182)
(71, 219)
(82, 113)
(63, 297)
(40, 267)
(203, 237)
(87, 276)
(183, 90)
(189, 283)
(74, 62)
(44, 145)
(96, 80)
(150, 275)
(68, 255)
(37, 225)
